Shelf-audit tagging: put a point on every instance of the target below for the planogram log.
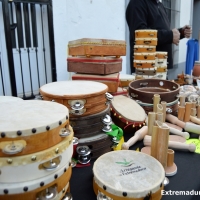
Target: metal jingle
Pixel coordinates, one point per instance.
(166, 181)
(102, 196)
(168, 110)
(51, 164)
(73, 163)
(48, 194)
(84, 159)
(109, 96)
(64, 132)
(13, 148)
(67, 196)
(107, 128)
(83, 150)
(107, 119)
(75, 140)
(115, 140)
(78, 105)
(77, 112)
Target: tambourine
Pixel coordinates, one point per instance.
(128, 174)
(145, 72)
(125, 79)
(161, 62)
(161, 55)
(40, 164)
(144, 90)
(82, 98)
(146, 33)
(144, 64)
(144, 49)
(144, 56)
(31, 126)
(98, 144)
(127, 114)
(146, 41)
(54, 185)
(97, 47)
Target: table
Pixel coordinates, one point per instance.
(186, 179)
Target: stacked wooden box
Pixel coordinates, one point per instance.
(96, 60)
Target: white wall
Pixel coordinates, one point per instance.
(76, 19)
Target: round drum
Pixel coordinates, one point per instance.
(161, 62)
(40, 164)
(146, 41)
(144, 64)
(145, 72)
(53, 185)
(161, 54)
(125, 79)
(144, 49)
(146, 33)
(126, 174)
(31, 126)
(9, 98)
(80, 97)
(144, 56)
(127, 114)
(145, 89)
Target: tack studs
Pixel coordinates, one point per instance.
(9, 161)
(19, 133)
(33, 158)
(3, 135)
(57, 150)
(33, 130)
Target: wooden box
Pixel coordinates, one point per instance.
(111, 80)
(94, 65)
(96, 47)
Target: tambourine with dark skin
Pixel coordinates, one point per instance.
(144, 90)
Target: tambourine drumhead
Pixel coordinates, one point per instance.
(73, 89)
(9, 98)
(128, 174)
(127, 109)
(24, 116)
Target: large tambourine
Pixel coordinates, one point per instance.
(144, 90)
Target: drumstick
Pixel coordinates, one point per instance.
(193, 128)
(175, 131)
(139, 135)
(172, 144)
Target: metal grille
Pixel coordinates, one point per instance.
(32, 46)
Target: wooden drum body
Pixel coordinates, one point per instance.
(146, 33)
(146, 41)
(126, 174)
(82, 98)
(144, 49)
(125, 79)
(144, 64)
(94, 65)
(97, 47)
(144, 56)
(144, 90)
(31, 126)
(127, 114)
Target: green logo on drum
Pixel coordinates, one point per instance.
(125, 163)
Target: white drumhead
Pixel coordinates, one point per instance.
(126, 77)
(73, 88)
(24, 116)
(9, 98)
(130, 172)
(128, 108)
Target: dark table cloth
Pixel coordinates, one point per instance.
(186, 179)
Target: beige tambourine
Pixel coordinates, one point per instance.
(40, 164)
(146, 41)
(146, 33)
(81, 97)
(31, 126)
(161, 55)
(53, 185)
(125, 79)
(144, 56)
(144, 64)
(126, 174)
(161, 62)
(144, 49)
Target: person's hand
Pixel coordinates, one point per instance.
(187, 31)
(176, 36)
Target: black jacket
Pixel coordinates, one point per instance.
(148, 14)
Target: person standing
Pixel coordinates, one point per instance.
(151, 14)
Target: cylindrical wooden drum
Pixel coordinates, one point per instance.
(161, 55)
(146, 41)
(98, 144)
(127, 114)
(145, 89)
(31, 126)
(80, 97)
(88, 125)
(144, 49)
(146, 33)
(144, 64)
(125, 79)
(145, 72)
(144, 56)
(126, 174)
